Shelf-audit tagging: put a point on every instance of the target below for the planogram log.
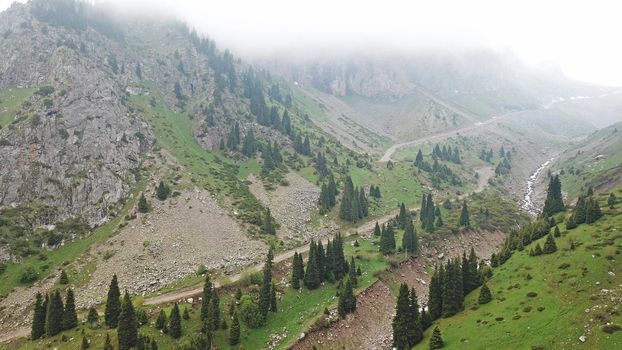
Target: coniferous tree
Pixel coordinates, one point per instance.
(347, 300)
(556, 232)
(554, 202)
(537, 250)
(409, 240)
(85, 343)
(306, 146)
(70, 318)
(332, 191)
(143, 206)
(208, 290)
(174, 326)
(377, 229)
(161, 321)
(268, 225)
(266, 284)
(436, 341)
(295, 272)
(113, 304)
(186, 314)
(549, 245)
(484, 295)
(401, 320)
(435, 295)
(234, 331)
(464, 216)
(54, 315)
(611, 200)
(128, 327)
(426, 321)
(163, 191)
(387, 241)
(312, 274)
(213, 319)
(402, 218)
(415, 334)
(352, 272)
(92, 317)
(38, 319)
(63, 279)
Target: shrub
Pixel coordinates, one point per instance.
(527, 309)
(532, 294)
(28, 275)
(611, 328)
(249, 312)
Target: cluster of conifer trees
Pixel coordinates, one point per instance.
(430, 214)
(446, 154)
(586, 211)
(51, 316)
(328, 195)
(451, 282)
(271, 156)
(409, 322)
(440, 172)
(354, 204)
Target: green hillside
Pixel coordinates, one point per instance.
(549, 301)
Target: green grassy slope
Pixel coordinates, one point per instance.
(596, 162)
(11, 101)
(577, 292)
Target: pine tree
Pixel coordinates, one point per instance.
(415, 330)
(464, 216)
(537, 250)
(402, 218)
(205, 300)
(549, 245)
(63, 279)
(352, 272)
(484, 295)
(611, 201)
(185, 315)
(38, 319)
(54, 315)
(401, 324)
(234, 331)
(163, 191)
(556, 232)
(174, 326)
(377, 229)
(409, 240)
(347, 300)
(113, 304)
(295, 272)
(387, 241)
(266, 284)
(435, 295)
(161, 321)
(554, 202)
(312, 274)
(436, 341)
(213, 319)
(267, 225)
(85, 343)
(127, 327)
(143, 206)
(70, 318)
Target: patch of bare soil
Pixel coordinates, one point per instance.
(293, 206)
(169, 243)
(370, 326)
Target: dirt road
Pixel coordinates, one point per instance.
(365, 228)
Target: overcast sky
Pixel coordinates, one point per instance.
(582, 37)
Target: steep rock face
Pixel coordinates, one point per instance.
(76, 147)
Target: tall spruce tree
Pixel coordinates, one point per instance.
(347, 300)
(409, 240)
(435, 295)
(295, 272)
(208, 289)
(464, 215)
(484, 295)
(268, 225)
(415, 333)
(436, 341)
(70, 318)
(234, 331)
(401, 320)
(54, 315)
(312, 274)
(113, 304)
(174, 326)
(549, 245)
(554, 202)
(128, 326)
(273, 306)
(38, 319)
(387, 241)
(266, 284)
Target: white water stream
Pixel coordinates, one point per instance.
(527, 203)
